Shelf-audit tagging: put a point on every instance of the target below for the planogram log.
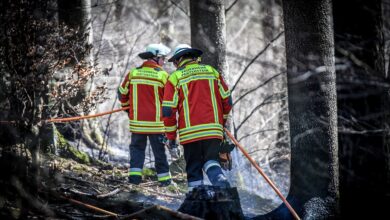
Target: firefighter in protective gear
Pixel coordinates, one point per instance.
(143, 90)
(202, 100)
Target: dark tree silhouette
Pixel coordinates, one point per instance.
(33, 48)
(25, 32)
(363, 102)
(312, 111)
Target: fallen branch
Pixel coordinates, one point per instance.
(115, 191)
(75, 191)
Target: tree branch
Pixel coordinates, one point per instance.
(265, 101)
(257, 87)
(356, 60)
(230, 7)
(255, 58)
(179, 7)
(256, 132)
(103, 29)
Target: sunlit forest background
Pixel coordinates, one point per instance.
(256, 67)
(309, 81)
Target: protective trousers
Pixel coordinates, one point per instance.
(137, 157)
(203, 156)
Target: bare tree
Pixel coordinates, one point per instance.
(363, 108)
(312, 110)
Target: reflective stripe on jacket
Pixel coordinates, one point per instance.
(143, 90)
(202, 99)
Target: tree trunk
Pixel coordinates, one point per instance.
(363, 100)
(20, 28)
(208, 32)
(75, 13)
(312, 111)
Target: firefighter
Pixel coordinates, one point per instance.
(143, 90)
(202, 100)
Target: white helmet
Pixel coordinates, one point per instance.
(155, 50)
(180, 47)
(183, 49)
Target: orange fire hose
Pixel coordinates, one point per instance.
(84, 117)
(97, 209)
(59, 120)
(269, 181)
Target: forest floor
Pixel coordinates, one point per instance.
(76, 186)
(68, 189)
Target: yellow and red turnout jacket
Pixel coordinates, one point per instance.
(202, 100)
(143, 90)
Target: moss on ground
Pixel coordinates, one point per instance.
(67, 150)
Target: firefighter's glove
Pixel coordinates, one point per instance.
(225, 160)
(163, 139)
(174, 150)
(226, 146)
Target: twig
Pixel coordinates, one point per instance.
(257, 87)
(75, 191)
(355, 59)
(255, 58)
(96, 190)
(343, 130)
(115, 191)
(179, 7)
(103, 4)
(103, 29)
(253, 111)
(256, 132)
(162, 194)
(152, 183)
(230, 7)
